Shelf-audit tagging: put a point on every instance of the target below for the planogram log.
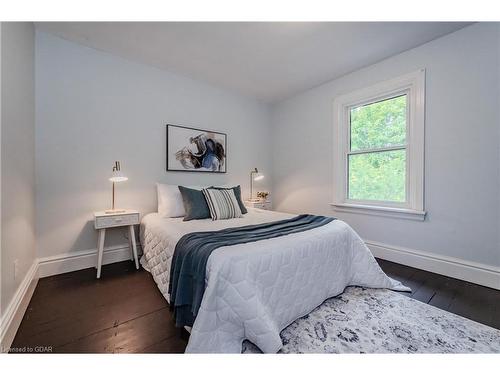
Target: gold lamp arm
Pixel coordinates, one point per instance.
(254, 171)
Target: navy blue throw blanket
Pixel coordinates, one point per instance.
(189, 263)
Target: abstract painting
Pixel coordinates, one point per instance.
(195, 150)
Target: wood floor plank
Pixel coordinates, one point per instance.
(415, 281)
(71, 327)
(129, 337)
(431, 285)
(445, 293)
(87, 295)
(472, 301)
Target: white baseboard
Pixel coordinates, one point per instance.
(476, 273)
(17, 307)
(78, 260)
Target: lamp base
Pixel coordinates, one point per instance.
(254, 200)
(114, 211)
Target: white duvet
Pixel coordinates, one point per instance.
(254, 290)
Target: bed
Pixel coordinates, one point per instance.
(254, 290)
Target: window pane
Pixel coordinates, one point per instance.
(378, 176)
(380, 124)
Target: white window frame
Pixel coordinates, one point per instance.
(413, 85)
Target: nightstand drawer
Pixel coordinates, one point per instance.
(116, 220)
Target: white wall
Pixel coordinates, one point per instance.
(461, 148)
(17, 156)
(93, 108)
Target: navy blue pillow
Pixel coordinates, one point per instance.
(237, 193)
(195, 204)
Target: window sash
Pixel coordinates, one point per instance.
(378, 202)
(379, 99)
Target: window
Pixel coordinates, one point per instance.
(379, 149)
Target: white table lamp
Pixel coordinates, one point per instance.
(116, 176)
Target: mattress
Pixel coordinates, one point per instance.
(254, 290)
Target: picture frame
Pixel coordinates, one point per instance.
(190, 149)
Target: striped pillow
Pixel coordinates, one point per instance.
(222, 204)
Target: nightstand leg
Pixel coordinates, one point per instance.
(131, 248)
(134, 247)
(100, 250)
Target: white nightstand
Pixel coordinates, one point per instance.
(263, 205)
(125, 218)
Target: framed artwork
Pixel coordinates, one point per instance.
(196, 150)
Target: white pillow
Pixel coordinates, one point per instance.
(170, 200)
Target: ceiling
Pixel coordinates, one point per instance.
(266, 60)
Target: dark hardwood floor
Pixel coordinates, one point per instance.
(124, 312)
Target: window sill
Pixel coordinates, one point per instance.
(397, 213)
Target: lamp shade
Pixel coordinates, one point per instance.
(117, 176)
(258, 177)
